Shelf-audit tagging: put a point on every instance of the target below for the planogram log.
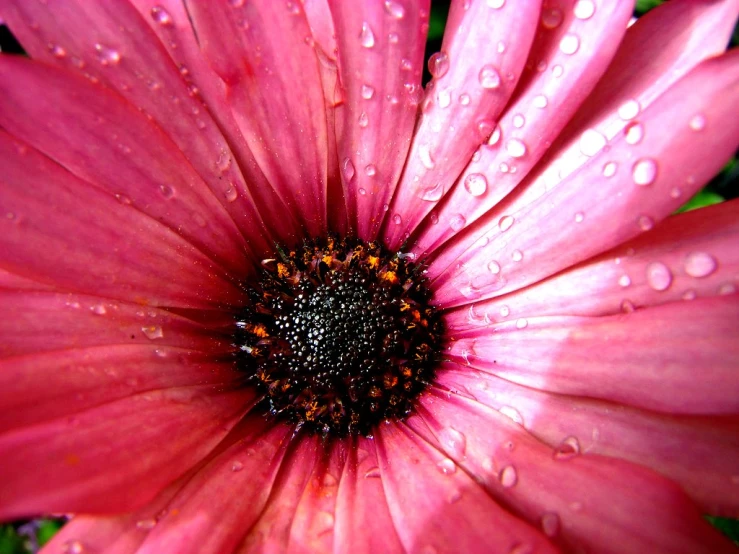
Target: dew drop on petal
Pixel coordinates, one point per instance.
(476, 184)
(551, 18)
(444, 98)
(395, 9)
(372, 473)
(629, 110)
(496, 4)
(569, 44)
(489, 77)
(486, 129)
(512, 413)
(508, 477)
(363, 120)
(505, 311)
(659, 276)
(592, 142)
(505, 223)
(568, 448)
(644, 171)
(370, 170)
(161, 16)
(73, 547)
(540, 101)
(579, 217)
(397, 219)
(584, 9)
(558, 71)
(700, 264)
(106, 55)
(434, 218)
(517, 255)
(609, 169)
(57, 51)
(515, 148)
(634, 132)
(367, 92)
(624, 281)
(550, 524)
(464, 99)
(438, 64)
(494, 267)
(146, 524)
(367, 37)
(518, 121)
(645, 222)
(446, 466)
(494, 136)
(347, 169)
(167, 191)
(457, 222)
(152, 332)
(237, 466)
(454, 442)
(697, 122)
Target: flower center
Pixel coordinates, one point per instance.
(339, 336)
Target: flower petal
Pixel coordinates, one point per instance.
(698, 453)
(113, 44)
(571, 51)
(682, 139)
(679, 358)
(219, 504)
(39, 387)
(36, 322)
(437, 508)
(688, 255)
(581, 502)
(70, 464)
(61, 231)
(381, 63)
(106, 141)
(483, 54)
(260, 52)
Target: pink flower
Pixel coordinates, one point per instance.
(153, 153)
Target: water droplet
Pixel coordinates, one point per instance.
(434, 218)
(508, 477)
(405, 64)
(634, 132)
(515, 148)
(550, 524)
(501, 48)
(161, 16)
(517, 255)
(645, 222)
(367, 37)
(476, 184)
(370, 170)
(367, 92)
(609, 169)
(644, 171)
(627, 306)
(624, 281)
(700, 264)
(363, 120)
(464, 99)
(512, 413)
(629, 110)
(454, 496)
(496, 4)
(540, 101)
(167, 191)
(347, 169)
(584, 9)
(505, 223)
(551, 18)
(489, 77)
(106, 55)
(57, 51)
(494, 267)
(568, 448)
(98, 309)
(454, 442)
(447, 466)
(146, 524)
(433, 193)
(237, 466)
(444, 98)
(424, 152)
(438, 64)
(579, 217)
(397, 219)
(569, 44)
(372, 473)
(518, 121)
(659, 276)
(395, 9)
(697, 122)
(689, 295)
(558, 71)
(457, 222)
(486, 129)
(152, 332)
(495, 136)
(73, 547)
(592, 142)
(362, 191)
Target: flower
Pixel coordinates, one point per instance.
(154, 152)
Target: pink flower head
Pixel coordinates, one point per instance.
(153, 153)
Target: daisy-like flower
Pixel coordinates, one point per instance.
(261, 292)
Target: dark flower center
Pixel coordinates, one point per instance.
(339, 336)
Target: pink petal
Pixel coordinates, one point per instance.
(61, 231)
(555, 82)
(88, 38)
(683, 139)
(36, 322)
(698, 453)
(381, 62)
(106, 141)
(116, 456)
(363, 522)
(483, 54)
(687, 256)
(218, 505)
(260, 52)
(583, 503)
(439, 508)
(678, 358)
(39, 387)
